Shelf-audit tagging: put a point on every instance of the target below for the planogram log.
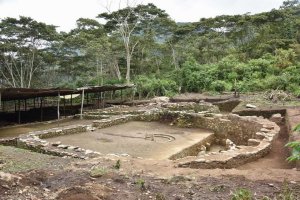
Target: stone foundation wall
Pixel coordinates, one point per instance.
(247, 138)
(34, 141)
(251, 136)
(236, 128)
(193, 150)
(227, 160)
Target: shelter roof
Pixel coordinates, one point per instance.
(8, 94)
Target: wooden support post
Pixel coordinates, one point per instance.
(25, 104)
(98, 99)
(121, 94)
(103, 100)
(41, 108)
(65, 106)
(58, 100)
(71, 100)
(34, 102)
(15, 106)
(82, 101)
(87, 98)
(19, 111)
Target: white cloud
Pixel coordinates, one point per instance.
(64, 13)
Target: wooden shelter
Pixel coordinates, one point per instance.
(23, 94)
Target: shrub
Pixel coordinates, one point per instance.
(295, 151)
(141, 184)
(219, 86)
(98, 172)
(152, 86)
(118, 164)
(242, 194)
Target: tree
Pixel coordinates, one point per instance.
(129, 23)
(84, 52)
(24, 43)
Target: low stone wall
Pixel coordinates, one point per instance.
(246, 138)
(8, 141)
(194, 149)
(252, 138)
(266, 113)
(236, 128)
(227, 159)
(34, 141)
(191, 106)
(112, 121)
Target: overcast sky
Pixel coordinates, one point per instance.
(64, 13)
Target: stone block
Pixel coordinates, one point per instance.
(277, 118)
(253, 142)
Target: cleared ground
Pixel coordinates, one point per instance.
(14, 131)
(140, 139)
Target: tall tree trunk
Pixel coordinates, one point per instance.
(128, 60)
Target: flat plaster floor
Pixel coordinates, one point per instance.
(14, 131)
(129, 138)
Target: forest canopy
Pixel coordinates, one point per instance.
(142, 45)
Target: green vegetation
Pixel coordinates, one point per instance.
(286, 193)
(242, 194)
(295, 151)
(98, 171)
(297, 128)
(295, 146)
(141, 184)
(143, 45)
(245, 194)
(117, 165)
(160, 196)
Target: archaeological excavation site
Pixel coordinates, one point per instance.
(150, 147)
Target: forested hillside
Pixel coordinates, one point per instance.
(143, 45)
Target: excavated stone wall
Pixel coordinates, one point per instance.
(250, 138)
(245, 138)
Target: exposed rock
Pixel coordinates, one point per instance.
(268, 126)
(277, 118)
(201, 153)
(260, 135)
(62, 146)
(161, 99)
(7, 177)
(253, 142)
(250, 106)
(71, 148)
(229, 144)
(207, 145)
(88, 151)
(264, 130)
(203, 148)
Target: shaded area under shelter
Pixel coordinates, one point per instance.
(23, 105)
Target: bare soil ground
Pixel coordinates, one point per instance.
(140, 179)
